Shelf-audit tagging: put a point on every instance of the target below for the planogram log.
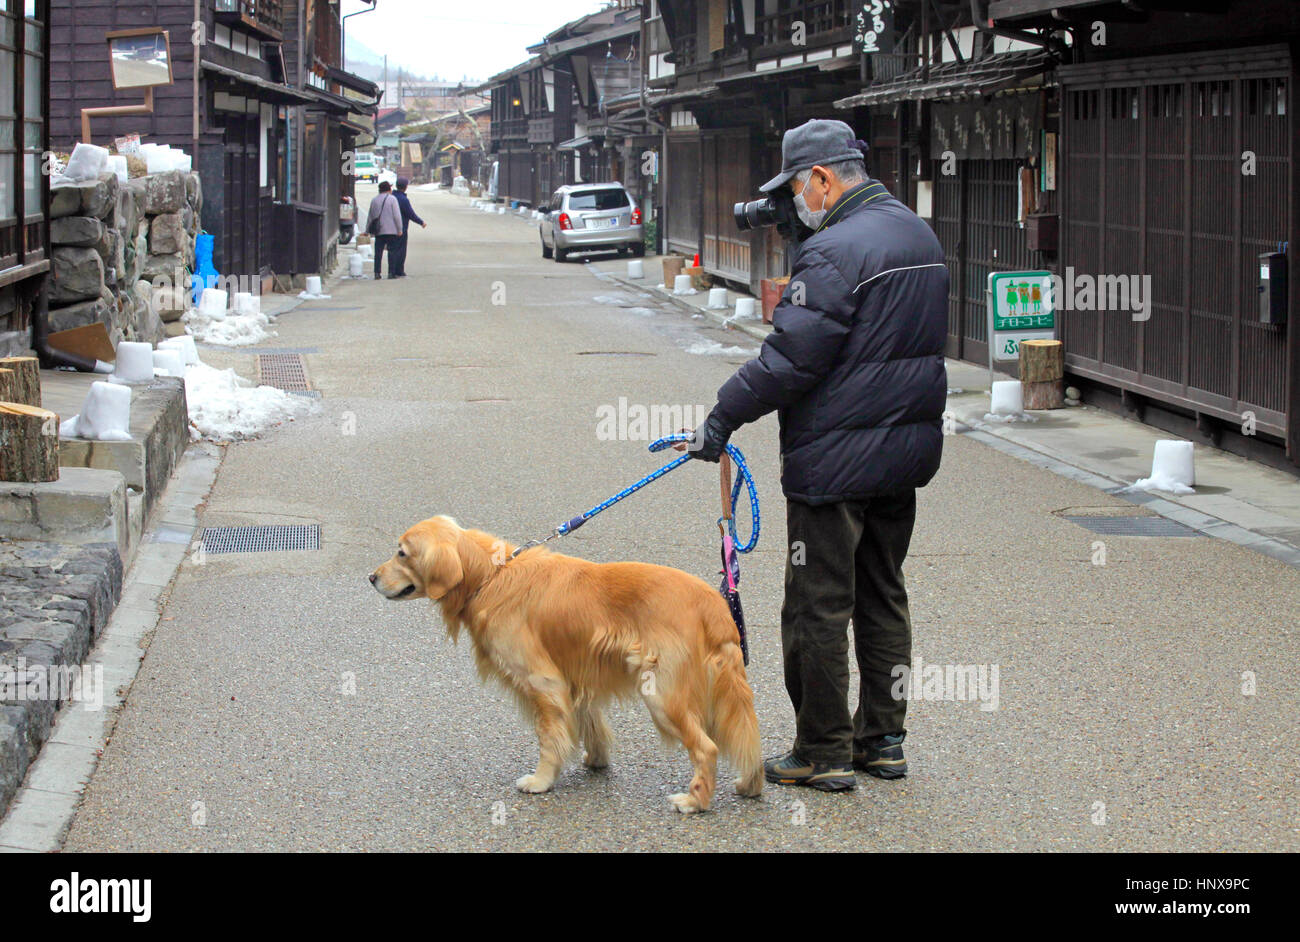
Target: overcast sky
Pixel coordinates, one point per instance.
(475, 38)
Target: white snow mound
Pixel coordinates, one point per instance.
(231, 330)
(1161, 482)
(226, 407)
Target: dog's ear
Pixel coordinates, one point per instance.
(440, 565)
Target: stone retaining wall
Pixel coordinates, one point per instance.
(123, 253)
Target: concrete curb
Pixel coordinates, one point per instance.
(43, 807)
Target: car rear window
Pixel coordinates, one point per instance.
(598, 199)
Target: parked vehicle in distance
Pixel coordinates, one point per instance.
(591, 216)
(347, 219)
(366, 167)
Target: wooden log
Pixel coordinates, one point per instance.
(8, 385)
(1042, 374)
(29, 443)
(673, 265)
(26, 383)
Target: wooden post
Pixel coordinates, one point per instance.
(25, 385)
(673, 265)
(1042, 374)
(30, 436)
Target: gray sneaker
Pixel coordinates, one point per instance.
(883, 758)
(824, 776)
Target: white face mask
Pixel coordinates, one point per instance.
(811, 219)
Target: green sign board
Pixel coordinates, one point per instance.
(1021, 307)
(1022, 300)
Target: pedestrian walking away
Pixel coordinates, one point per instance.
(855, 369)
(384, 223)
(397, 258)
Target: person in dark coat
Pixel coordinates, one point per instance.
(408, 217)
(854, 368)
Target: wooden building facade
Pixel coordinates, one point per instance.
(272, 118)
(24, 196)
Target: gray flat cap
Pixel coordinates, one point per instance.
(819, 141)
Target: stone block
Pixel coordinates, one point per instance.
(77, 274)
(84, 231)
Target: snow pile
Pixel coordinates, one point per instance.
(225, 407)
(1019, 417)
(308, 296)
(712, 348)
(227, 329)
(1161, 482)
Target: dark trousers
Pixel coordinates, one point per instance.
(388, 242)
(846, 562)
(397, 255)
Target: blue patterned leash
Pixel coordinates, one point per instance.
(742, 477)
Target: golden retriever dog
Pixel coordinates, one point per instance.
(566, 635)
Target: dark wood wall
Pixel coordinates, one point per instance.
(80, 77)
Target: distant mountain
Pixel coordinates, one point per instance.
(364, 61)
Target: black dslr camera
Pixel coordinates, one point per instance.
(774, 210)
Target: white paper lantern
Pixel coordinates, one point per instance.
(314, 284)
(745, 308)
(635, 269)
(717, 298)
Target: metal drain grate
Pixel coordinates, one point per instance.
(276, 538)
(283, 371)
(1134, 526)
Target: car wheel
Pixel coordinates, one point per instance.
(546, 249)
(638, 249)
(561, 254)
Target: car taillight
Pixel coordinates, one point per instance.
(636, 217)
(565, 221)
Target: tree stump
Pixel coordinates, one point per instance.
(1042, 374)
(29, 443)
(25, 385)
(673, 265)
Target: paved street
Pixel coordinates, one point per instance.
(1120, 723)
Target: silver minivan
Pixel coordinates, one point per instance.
(590, 216)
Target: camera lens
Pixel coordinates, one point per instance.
(755, 214)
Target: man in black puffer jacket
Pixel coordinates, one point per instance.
(854, 366)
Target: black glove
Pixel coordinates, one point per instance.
(708, 441)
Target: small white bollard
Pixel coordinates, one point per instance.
(313, 284)
(682, 285)
(717, 298)
(185, 346)
(170, 362)
(1008, 398)
(745, 308)
(213, 302)
(134, 361)
(106, 413)
(1174, 461)
(501, 210)
(635, 269)
(356, 265)
(247, 303)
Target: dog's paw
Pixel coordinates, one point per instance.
(595, 761)
(533, 784)
(685, 803)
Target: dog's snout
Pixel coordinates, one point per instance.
(373, 577)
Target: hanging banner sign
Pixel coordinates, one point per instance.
(875, 27)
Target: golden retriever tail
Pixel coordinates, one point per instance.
(732, 722)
